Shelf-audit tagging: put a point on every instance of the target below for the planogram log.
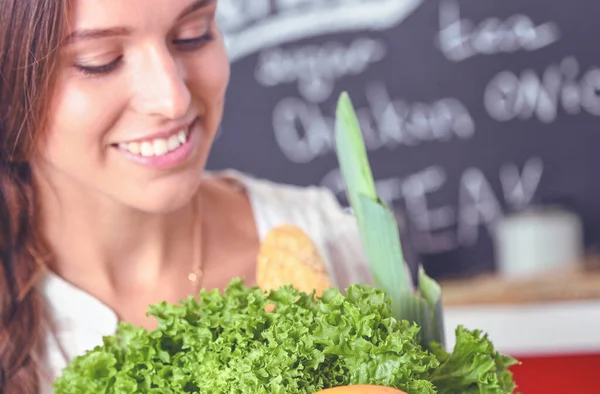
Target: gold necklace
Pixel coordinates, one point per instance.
(197, 274)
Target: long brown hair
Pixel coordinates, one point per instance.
(30, 36)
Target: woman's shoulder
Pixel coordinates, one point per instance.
(317, 211)
(276, 203)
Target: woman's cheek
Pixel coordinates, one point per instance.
(210, 70)
(81, 120)
(208, 79)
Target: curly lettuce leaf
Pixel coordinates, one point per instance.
(474, 366)
(228, 343)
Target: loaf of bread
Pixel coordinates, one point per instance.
(288, 256)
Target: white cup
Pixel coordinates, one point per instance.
(538, 241)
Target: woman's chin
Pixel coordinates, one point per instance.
(166, 201)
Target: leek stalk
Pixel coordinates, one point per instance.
(380, 236)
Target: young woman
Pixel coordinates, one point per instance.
(108, 109)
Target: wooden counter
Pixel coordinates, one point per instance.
(580, 285)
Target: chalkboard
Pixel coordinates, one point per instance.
(471, 109)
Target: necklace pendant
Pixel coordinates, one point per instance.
(195, 276)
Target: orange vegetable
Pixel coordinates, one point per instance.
(361, 389)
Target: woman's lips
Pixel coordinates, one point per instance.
(162, 153)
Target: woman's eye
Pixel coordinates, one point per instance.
(193, 43)
(186, 44)
(99, 70)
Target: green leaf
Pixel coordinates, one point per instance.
(432, 293)
(376, 222)
(351, 152)
(381, 241)
(473, 367)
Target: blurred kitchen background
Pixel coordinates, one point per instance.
(482, 121)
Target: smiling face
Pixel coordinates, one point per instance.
(140, 95)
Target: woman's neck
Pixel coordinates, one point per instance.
(95, 239)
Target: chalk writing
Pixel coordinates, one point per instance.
(303, 132)
(315, 68)
(460, 39)
(519, 189)
(437, 229)
(508, 96)
(248, 26)
(478, 205)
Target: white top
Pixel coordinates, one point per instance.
(82, 320)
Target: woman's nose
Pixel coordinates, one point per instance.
(160, 87)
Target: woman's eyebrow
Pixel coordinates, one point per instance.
(195, 6)
(91, 34)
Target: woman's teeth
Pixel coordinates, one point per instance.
(156, 147)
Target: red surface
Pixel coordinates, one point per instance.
(558, 374)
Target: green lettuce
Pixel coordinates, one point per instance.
(473, 367)
(228, 343)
